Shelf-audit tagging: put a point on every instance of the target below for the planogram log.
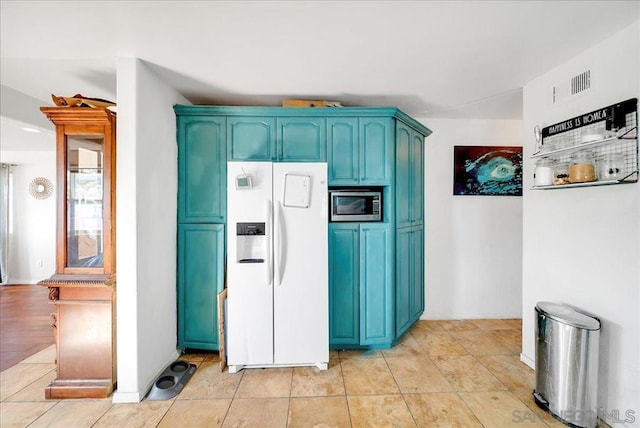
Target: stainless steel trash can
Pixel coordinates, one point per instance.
(567, 363)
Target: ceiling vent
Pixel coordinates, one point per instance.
(577, 85)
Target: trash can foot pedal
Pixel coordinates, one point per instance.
(540, 401)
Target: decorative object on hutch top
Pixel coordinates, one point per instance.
(487, 170)
(83, 286)
(595, 148)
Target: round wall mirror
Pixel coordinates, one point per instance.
(40, 188)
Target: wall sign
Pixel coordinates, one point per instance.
(614, 115)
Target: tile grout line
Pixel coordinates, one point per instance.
(339, 359)
(235, 392)
(27, 386)
(493, 374)
(286, 423)
(509, 390)
(456, 392)
(43, 413)
(173, 401)
(103, 414)
(404, 400)
(469, 408)
(344, 384)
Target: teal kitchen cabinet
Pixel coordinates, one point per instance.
(202, 169)
(360, 285)
(376, 273)
(359, 151)
(276, 139)
(344, 284)
(376, 278)
(200, 279)
(343, 151)
(409, 187)
(409, 277)
(301, 139)
(409, 176)
(417, 178)
(251, 138)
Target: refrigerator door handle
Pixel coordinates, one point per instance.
(282, 244)
(268, 241)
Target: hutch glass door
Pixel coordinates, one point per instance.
(85, 208)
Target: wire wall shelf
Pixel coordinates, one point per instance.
(614, 135)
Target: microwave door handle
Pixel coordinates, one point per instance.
(268, 250)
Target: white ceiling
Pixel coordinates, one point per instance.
(453, 59)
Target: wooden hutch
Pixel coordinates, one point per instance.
(83, 286)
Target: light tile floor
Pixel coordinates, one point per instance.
(463, 373)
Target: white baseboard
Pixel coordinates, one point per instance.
(138, 396)
(457, 317)
(126, 397)
(528, 361)
(22, 281)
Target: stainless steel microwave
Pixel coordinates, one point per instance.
(354, 205)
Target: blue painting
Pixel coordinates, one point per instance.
(487, 170)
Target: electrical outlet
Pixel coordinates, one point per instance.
(40, 263)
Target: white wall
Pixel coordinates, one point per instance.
(473, 244)
(582, 246)
(32, 251)
(146, 236)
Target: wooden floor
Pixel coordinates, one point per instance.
(25, 322)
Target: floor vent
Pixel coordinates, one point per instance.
(577, 85)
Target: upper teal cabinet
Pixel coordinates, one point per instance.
(251, 138)
(302, 139)
(271, 139)
(376, 157)
(409, 176)
(417, 178)
(343, 149)
(359, 151)
(202, 169)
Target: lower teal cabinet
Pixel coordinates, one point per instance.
(409, 277)
(417, 306)
(376, 273)
(200, 279)
(360, 286)
(344, 294)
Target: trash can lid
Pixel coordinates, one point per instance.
(568, 315)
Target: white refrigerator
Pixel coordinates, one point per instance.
(277, 265)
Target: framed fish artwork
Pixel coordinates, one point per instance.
(487, 170)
